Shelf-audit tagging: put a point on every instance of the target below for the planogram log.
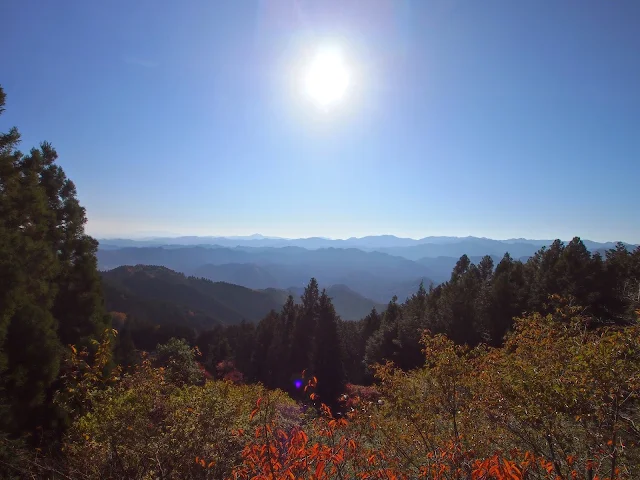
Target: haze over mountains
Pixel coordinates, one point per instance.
(430, 246)
(374, 267)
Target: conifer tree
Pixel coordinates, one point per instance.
(326, 354)
(50, 291)
(304, 327)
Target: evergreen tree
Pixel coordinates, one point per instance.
(34, 354)
(383, 344)
(262, 370)
(620, 283)
(124, 353)
(369, 326)
(241, 340)
(280, 351)
(543, 276)
(50, 293)
(303, 330)
(457, 313)
(352, 350)
(577, 271)
(410, 327)
(485, 268)
(326, 354)
(507, 299)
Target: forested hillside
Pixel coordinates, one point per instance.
(507, 370)
(153, 304)
(373, 275)
(476, 305)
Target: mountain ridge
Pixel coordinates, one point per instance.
(369, 241)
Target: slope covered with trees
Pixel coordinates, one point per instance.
(374, 275)
(152, 304)
(224, 302)
(476, 305)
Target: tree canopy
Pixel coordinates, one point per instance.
(50, 292)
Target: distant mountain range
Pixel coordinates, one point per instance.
(431, 246)
(160, 295)
(375, 267)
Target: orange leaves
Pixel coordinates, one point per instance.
(255, 410)
(326, 410)
(497, 468)
(447, 419)
(285, 454)
(282, 454)
(312, 383)
(203, 463)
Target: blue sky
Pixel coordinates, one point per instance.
(488, 118)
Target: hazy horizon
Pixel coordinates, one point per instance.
(172, 235)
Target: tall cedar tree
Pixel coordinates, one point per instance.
(50, 292)
(384, 344)
(302, 337)
(410, 328)
(261, 370)
(280, 351)
(327, 353)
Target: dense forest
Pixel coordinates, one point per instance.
(514, 370)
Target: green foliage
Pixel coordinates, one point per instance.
(147, 427)
(303, 330)
(179, 361)
(50, 292)
(383, 344)
(33, 364)
(326, 361)
(558, 389)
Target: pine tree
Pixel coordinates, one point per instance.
(383, 344)
(280, 352)
(50, 293)
(326, 354)
(507, 299)
(261, 369)
(410, 327)
(457, 306)
(303, 330)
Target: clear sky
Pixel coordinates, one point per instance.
(488, 118)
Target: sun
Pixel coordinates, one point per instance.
(327, 77)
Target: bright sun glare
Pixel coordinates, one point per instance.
(327, 77)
